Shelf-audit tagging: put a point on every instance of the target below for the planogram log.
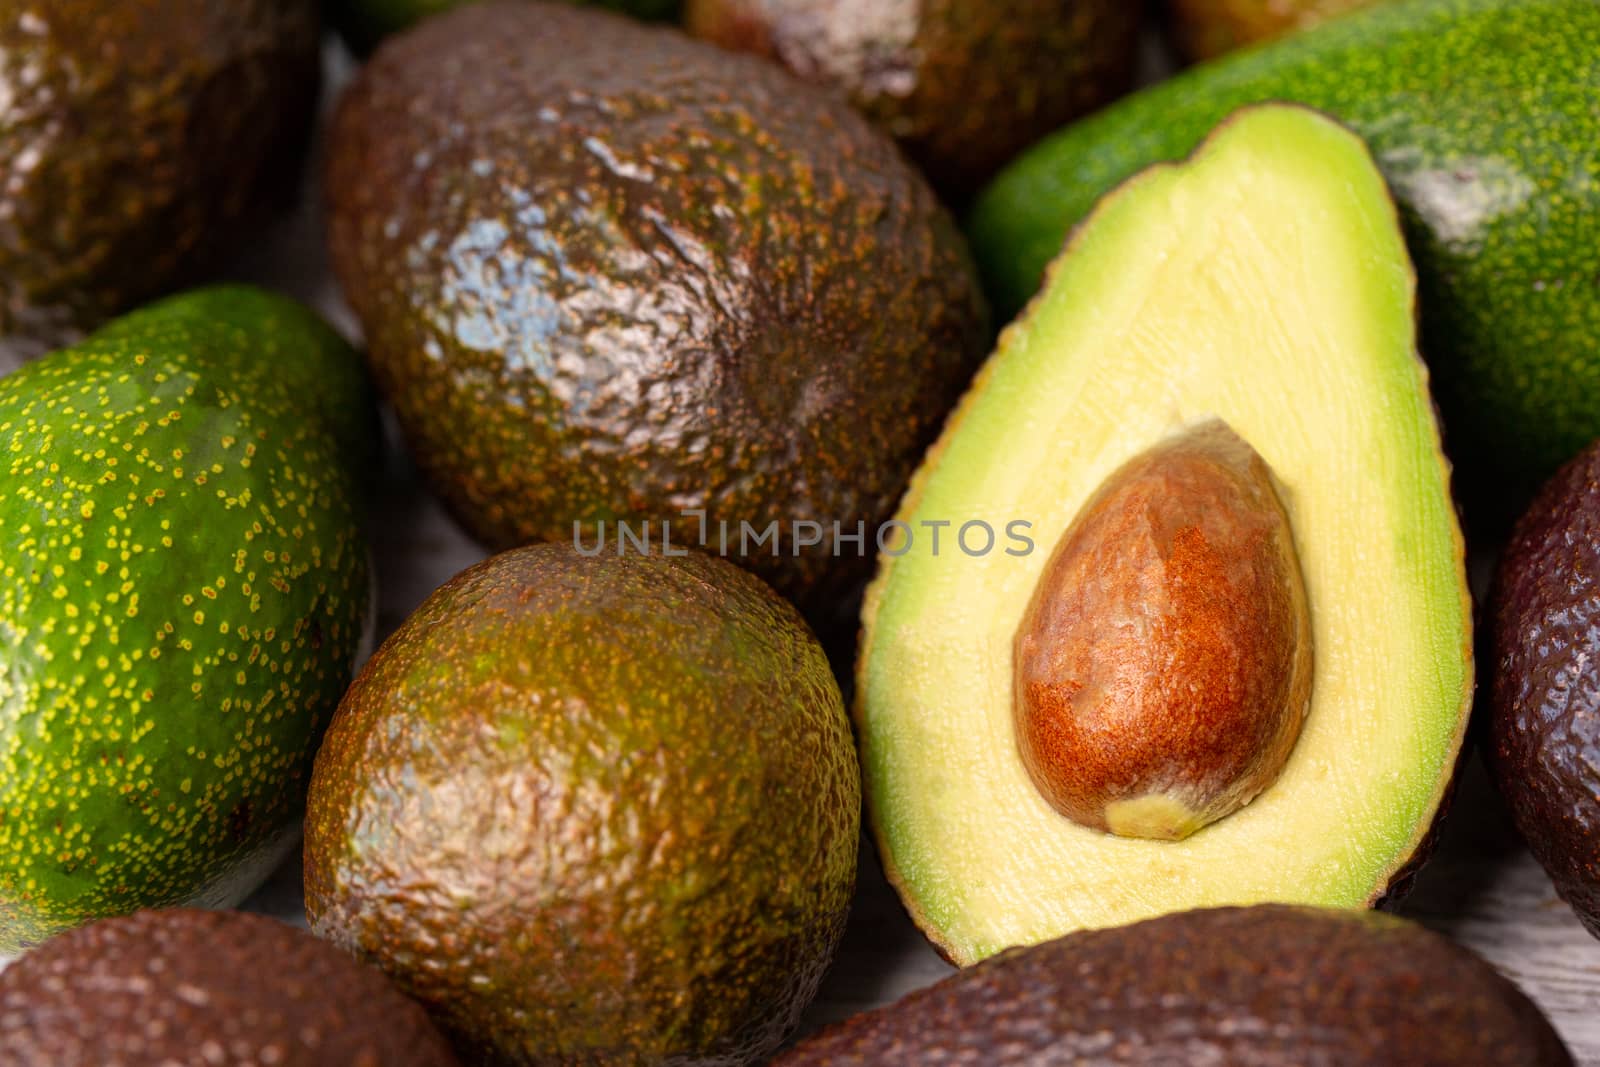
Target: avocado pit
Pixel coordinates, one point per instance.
(1162, 670)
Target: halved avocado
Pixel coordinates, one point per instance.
(1263, 284)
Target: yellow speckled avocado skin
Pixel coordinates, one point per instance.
(183, 586)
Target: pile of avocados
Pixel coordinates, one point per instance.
(885, 429)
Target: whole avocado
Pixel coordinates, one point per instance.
(183, 586)
(189, 987)
(1248, 987)
(593, 810)
(1544, 725)
(963, 85)
(611, 274)
(139, 141)
(363, 23)
(1502, 214)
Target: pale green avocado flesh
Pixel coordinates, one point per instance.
(1263, 282)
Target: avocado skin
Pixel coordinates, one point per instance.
(140, 141)
(1480, 113)
(1544, 725)
(964, 85)
(593, 810)
(1251, 987)
(162, 986)
(610, 273)
(1204, 29)
(183, 586)
(364, 23)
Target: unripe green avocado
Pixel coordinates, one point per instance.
(1481, 115)
(183, 586)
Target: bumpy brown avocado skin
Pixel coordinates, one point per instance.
(184, 986)
(137, 140)
(1202, 29)
(1545, 722)
(607, 272)
(593, 810)
(964, 85)
(1249, 987)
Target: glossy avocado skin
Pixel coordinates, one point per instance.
(183, 585)
(1545, 711)
(593, 810)
(364, 23)
(172, 986)
(1249, 987)
(138, 142)
(607, 272)
(1204, 29)
(964, 85)
(1480, 113)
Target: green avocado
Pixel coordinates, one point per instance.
(1251, 987)
(364, 23)
(183, 587)
(593, 809)
(686, 292)
(1481, 114)
(1224, 353)
(1544, 725)
(140, 141)
(963, 85)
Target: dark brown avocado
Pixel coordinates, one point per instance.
(610, 273)
(964, 85)
(1544, 727)
(205, 987)
(593, 810)
(1249, 987)
(138, 141)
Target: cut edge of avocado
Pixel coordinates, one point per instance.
(887, 612)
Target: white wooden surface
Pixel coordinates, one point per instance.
(1481, 888)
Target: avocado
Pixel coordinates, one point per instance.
(1544, 723)
(964, 85)
(183, 589)
(1204, 29)
(1502, 217)
(184, 986)
(364, 23)
(1223, 358)
(683, 294)
(140, 140)
(593, 809)
(1252, 987)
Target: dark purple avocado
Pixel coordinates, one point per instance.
(185, 986)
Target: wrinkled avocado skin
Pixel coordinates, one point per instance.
(963, 84)
(593, 810)
(137, 140)
(1249, 987)
(1545, 723)
(1205, 28)
(606, 272)
(364, 23)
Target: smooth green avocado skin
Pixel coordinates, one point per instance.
(183, 587)
(593, 810)
(1481, 115)
(1250, 987)
(364, 23)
